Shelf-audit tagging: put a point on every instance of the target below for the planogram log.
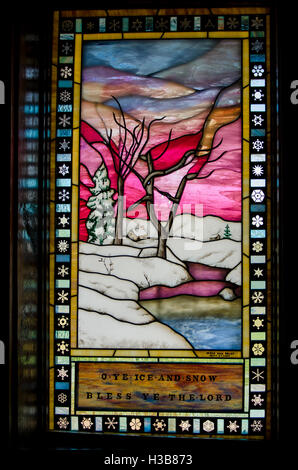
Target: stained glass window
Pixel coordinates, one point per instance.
(160, 310)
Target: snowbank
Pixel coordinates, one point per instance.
(125, 310)
(103, 331)
(219, 253)
(144, 272)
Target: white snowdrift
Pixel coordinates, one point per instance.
(102, 331)
(125, 310)
(144, 272)
(235, 276)
(109, 285)
(149, 252)
(186, 226)
(107, 250)
(219, 253)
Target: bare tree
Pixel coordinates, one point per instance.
(130, 148)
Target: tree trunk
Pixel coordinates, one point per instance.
(162, 247)
(119, 217)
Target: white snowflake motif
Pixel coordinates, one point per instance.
(258, 272)
(65, 96)
(64, 169)
(64, 120)
(159, 425)
(257, 297)
(63, 195)
(257, 221)
(232, 23)
(64, 145)
(114, 25)
(185, 425)
(63, 220)
(257, 22)
(257, 246)
(63, 246)
(66, 48)
(137, 24)
(257, 400)
(63, 423)
(257, 95)
(135, 424)
(63, 322)
(90, 25)
(111, 423)
(258, 349)
(257, 195)
(258, 170)
(258, 375)
(257, 46)
(62, 398)
(185, 24)
(62, 296)
(208, 426)
(233, 426)
(62, 373)
(62, 270)
(66, 72)
(62, 347)
(257, 120)
(86, 423)
(256, 426)
(67, 25)
(258, 145)
(258, 323)
(162, 24)
(257, 71)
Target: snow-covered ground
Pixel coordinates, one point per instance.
(112, 276)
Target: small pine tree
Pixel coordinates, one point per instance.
(100, 223)
(227, 232)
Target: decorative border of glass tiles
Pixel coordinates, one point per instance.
(68, 32)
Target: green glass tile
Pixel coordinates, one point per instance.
(66, 60)
(257, 414)
(258, 336)
(220, 426)
(221, 23)
(65, 233)
(173, 23)
(62, 283)
(61, 334)
(65, 36)
(172, 425)
(258, 362)
(197, 23)
(244, 23)
(196, 426)
(74, 420)
(62, 309)
(149, 23)
(122, 424)
(102, 25)
(244, 426)
(78, 25)
(98, 423)
(125, 24)
(62, 360)
(257, 34)
(258, 310)
(258, 285)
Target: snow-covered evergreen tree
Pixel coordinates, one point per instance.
(100, 223)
